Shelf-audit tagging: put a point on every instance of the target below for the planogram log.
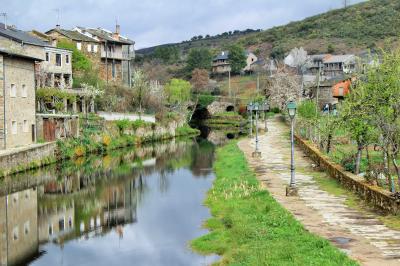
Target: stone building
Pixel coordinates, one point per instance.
(55, 70)
(17, 99)
(221, 63)
(339, 65)
(19, 240)
(109, 51)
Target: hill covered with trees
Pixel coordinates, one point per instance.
(371, 24)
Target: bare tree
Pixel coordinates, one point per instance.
(283, 87)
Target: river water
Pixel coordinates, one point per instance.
(137, 206)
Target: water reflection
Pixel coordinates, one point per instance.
(130, 207)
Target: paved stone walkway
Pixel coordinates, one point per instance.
(359, 234)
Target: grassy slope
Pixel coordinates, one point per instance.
(361, 26)
(250, 228)
(358, 27)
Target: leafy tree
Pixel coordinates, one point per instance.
(177, 91)
(357, 119)
(167, 54)
(79, 61)
(198, 58)
(331, 49)
(237, 58)
(380, 97)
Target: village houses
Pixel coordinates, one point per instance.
(19, 52)
(111, 52)
(221, 63)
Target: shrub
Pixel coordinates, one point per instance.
(122, 125)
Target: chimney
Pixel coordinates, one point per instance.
(117, 32)
(58, 27)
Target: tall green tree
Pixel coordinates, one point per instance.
(167, 54)
(200, 58)
(177, 91)
(237, 58)
(381, 99)
(357, 119)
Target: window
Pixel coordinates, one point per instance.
(26, 227)
(47, 57)
(58, 59)
(79, 46)
(25, 126)
(15, 197)
(89, 47)
(67, 58)
(14, 127)
(15, 233)
(50, 229)
(113, 69)
(95, 48)
(61, 224)
(13, 90)
(24, 91)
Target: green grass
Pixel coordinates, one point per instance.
(249, 227)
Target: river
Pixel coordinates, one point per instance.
(138, 206)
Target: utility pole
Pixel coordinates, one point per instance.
(229, 83)
(58, 15)
(258, 83)
(4, 15)
(317, 92)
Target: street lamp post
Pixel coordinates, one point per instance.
(292, 190)
(256, 153)
(250, 110)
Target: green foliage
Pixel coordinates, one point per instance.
(331, 49)
(178, 91)
(237, 58)
(186, 130)
(47, 94)
(249, 227)
(200, 58)
(167, 54)
(307, 109)
(205, 100)
(79, 61)
(122, 125)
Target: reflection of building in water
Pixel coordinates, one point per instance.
(18, 227)
(56, 220)
(118, 207)
(121, 203)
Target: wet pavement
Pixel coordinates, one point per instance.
(358, 233)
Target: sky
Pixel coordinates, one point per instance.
(154, 22)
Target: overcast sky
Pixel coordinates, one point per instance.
(155, 22)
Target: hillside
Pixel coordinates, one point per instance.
(366, 25)
(212, 42)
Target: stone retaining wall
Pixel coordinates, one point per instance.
(20, 159)
(373, 195)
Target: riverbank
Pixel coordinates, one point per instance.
(250, 228)
(110, 136)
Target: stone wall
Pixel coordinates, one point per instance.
(218, 107)
(25, 158)
(372, 195)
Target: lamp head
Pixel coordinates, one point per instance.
(291, 107)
